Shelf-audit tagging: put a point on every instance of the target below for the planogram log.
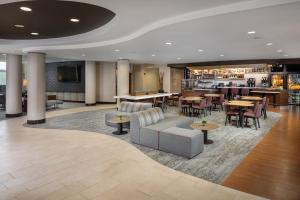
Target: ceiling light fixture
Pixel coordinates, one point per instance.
(34, 33)
(153, 55)
(74, 20)
(116, 50)
(269, 44)
(286, 55)
(83, 55)
(179, 58)
(168, 43)
(251, 32)
(19, 26)
(222, 55)
(200, 50)
(279, 51)
(26, 9)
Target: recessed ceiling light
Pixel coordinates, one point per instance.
(120, 58)
(74, 20)
(286, 55)
(4, 54)
(116, 50)
(34, 33)
(200, 50)
(279, 51)
(168, 43)
(19, 26)
(26, 9)
(83, 55)
(179, 58)
(251, 32)
(269, 44)
(222, 55)
(153, 55)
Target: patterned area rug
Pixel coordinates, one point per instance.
(231, 145)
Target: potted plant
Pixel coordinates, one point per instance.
(204, 123)
(120, 116)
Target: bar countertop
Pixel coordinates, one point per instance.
(254, 88)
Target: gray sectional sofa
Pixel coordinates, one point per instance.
(126, 109)
(169, 133)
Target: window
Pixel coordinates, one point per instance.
(2, 73)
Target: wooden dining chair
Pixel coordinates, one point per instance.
(219, 102)
(183, 105)
(230, 113)
(199, 108)
(209, 104)
(255, 115)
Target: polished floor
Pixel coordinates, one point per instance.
(272, 169)
(78, 165)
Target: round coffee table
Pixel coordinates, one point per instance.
(205, 128)
(120, 121)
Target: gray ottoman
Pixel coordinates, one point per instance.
(180, 141)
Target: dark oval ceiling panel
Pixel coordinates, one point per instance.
(50, 19)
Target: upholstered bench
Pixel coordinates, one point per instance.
(180, 141)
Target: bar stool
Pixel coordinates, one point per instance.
(245, 92)
(225, 92)
(234, 92)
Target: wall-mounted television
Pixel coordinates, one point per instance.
(69, 73)
(293, 68)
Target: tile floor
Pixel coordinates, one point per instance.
(77, 165)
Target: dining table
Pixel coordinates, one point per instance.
(191, 100)
(212, 95)
(241, 105)
(251, 98)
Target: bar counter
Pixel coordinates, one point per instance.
(281, 98)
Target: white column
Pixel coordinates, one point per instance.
(90, 83)
(36, 88)
(123, 69)
(13, 85)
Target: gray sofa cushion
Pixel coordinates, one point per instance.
(179, 141)
(149, 137)
(134, 107)
(168, 122)
(185, 124)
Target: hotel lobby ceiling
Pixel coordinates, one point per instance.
(50, 19)
(141, 29)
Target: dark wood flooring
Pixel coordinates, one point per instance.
(272, 169)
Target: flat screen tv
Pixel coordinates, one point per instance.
(69, 73)
(293, 68)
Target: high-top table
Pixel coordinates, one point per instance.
(265, 93)
(140, 97)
